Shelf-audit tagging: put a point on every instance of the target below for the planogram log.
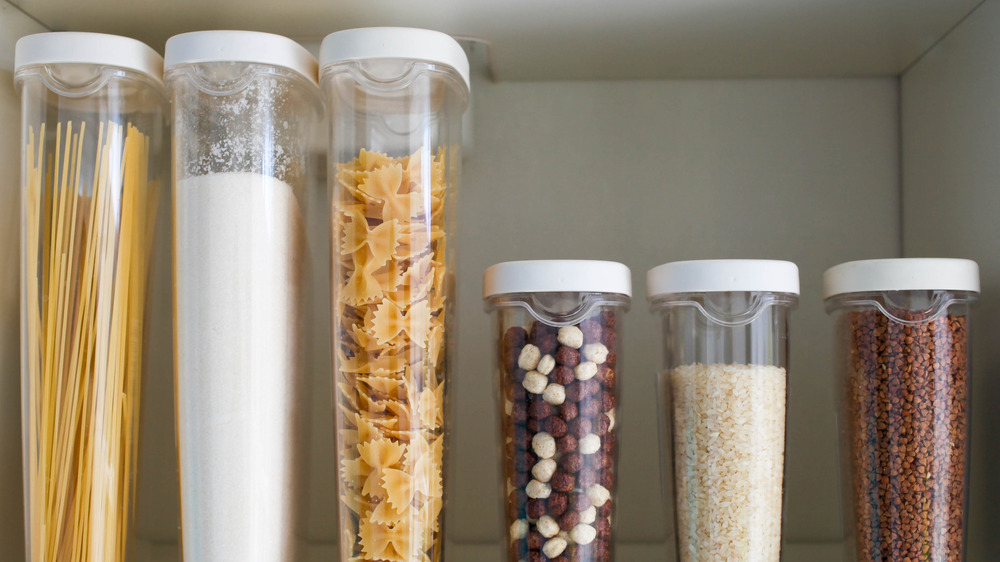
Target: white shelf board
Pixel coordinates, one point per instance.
(14, 24)
(492, 552)
(585, 39)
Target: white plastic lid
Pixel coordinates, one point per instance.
(88, 48)
(901, 274)
(240, 46)
(394, 43)
(717, 276)
(557, 276)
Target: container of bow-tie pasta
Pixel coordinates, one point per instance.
(395, 99)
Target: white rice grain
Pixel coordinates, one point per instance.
(729, 445)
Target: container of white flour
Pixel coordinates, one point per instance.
(244, 107)
(724, 385)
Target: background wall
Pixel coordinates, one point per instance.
(640, 172)
(951, 174)
(656, 171)
(11, 519)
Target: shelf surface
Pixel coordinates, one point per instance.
(493, 552)
(584, 39)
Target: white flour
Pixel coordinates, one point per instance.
(239, 272)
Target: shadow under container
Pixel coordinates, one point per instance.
(246, 108)
(559, 352)
(903, 392)
(395, 98)
(724, 392)
(93, 170)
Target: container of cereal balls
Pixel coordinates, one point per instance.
(724, 396)
(903, 383)
(559, 333)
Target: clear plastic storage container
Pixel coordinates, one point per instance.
(903, 384)
(395, 99)
(559, 335)
(246, 109)
(724, 385)
(94, 174)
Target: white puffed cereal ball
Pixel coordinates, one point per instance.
(546, 364)
(583, 534)
(588, 515)
(543, 470)
(599, 495)
(547, 526)
(535, 382)
(544, 445)
(586, 370)
(528, 359)
(538, 490)
(595, 352)
(554, 547)
(611, 416)
(589, 444)
(570, 336)
(519, 529)
(554, 394)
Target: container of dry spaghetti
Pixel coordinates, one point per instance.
(93, 174)
(903, 391)
(395, 99)
(724, 384)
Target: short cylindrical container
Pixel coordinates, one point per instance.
(395, 99)
(903, 384)
(724, 389)
(244, 108)
(94, 172)
(558, 366)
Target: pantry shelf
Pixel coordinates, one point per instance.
(588, 39)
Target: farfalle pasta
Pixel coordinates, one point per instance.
(390, 298)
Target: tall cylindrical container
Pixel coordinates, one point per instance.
(244, 105)
(724, 384)
(93, 170)
(558, 364)
(903, 392)
(395, 99)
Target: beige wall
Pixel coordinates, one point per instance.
(951, 178)
(655, 171)
(640, 172)
(11, 521)
(644, 172)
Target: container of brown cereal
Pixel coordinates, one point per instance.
(723, 399)
(559, 334)
(902, 332)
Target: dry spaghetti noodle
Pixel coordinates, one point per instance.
(87, 231)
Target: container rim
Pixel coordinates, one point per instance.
(75, 47)
(557, 276)
(367, 43)
(240, 46)
(720, 276)
(901, 274)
